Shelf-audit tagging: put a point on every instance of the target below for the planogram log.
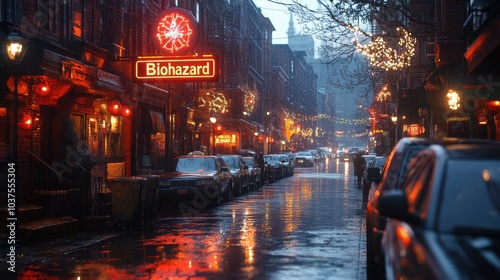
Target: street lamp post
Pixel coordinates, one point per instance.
(213, 120)
(15, 47)
(394, 119)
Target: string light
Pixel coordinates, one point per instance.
(303, 118)
(214, 101)
(385, 57)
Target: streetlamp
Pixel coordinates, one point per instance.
(394, 119)
(15, 47)
(213, 120)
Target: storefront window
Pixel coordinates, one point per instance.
(4, 126)
(112, 138)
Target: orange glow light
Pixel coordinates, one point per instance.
(126, 111)
(25, 122)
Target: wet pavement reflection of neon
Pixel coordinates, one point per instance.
(308, 226)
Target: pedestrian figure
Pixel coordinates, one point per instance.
(359, 167)
(261, 163)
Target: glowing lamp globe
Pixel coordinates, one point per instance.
(126, 111)
(493, 106)
(25, 122)
(115, 108)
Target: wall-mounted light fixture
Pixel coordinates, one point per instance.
(453, 99)
(42, 89)
(25, 122)
(126, 111)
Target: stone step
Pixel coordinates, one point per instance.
(29, 213)
(48, 229)
(26, 213)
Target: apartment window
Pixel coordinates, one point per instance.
(46, 13)
(77, 24)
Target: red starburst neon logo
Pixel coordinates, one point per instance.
(177, 31)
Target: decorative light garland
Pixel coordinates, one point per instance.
(298, 118)
(214, 101)
(385, 57)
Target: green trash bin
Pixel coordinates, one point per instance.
(150, 196)
(127, 197)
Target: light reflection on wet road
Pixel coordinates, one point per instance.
(308, 226)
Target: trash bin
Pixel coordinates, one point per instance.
(127, 197)
(150, 196)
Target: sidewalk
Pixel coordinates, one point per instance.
(26, 255)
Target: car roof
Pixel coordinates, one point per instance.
(471, 150)
(197, 156)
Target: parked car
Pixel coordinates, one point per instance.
(206, 177)
(368, 158)
(304, 158)
(255, 172)
(291, 158)
(326, 152)
(287, 165)
(239, 171)
(394, 173)
(315, 155)
(376, 162)
(274, 167)
(444, 222)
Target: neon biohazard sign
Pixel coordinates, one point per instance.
(177, 69)
(176, 32)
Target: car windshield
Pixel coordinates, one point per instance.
(378, 162)
(471, 197)
(231, 161)
(195, 165)
(271, 158)
(304, 154)
(250, 161)
(399, 166)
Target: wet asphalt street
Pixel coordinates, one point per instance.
(307, 226)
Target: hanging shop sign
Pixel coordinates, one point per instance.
(176, 35)
(177, 69)
(176, 32)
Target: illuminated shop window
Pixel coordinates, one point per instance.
(112, 138)
(4, 126)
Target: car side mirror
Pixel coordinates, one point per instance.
(245, 166)
(393, 204)
(374, 174)
(224, 169)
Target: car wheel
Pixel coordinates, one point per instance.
(218, 199)
(229, 193)
(238, 189)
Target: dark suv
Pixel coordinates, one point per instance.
(393, 175)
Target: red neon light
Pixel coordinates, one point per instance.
(177, 31)
(177, 69)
